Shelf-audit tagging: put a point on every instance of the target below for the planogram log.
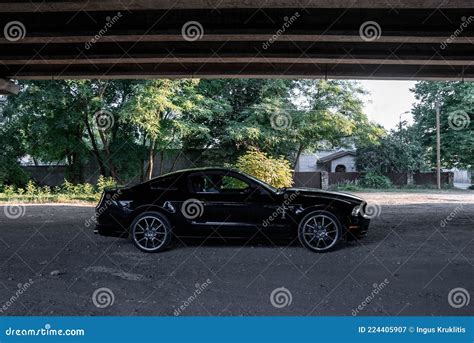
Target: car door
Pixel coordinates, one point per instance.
(228, 200)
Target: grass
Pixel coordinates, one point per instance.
(51, 198)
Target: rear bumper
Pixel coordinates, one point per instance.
(110, 231)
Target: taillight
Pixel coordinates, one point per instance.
(101, 200)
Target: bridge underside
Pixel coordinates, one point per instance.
(295, 39)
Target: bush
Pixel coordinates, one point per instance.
(274, 171)
(104, 183)
(374, 180)
(31, 188)
(349, 186)
(64, 193)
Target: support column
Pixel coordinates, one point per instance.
(8, 88)
(324, 180)
(410, 179)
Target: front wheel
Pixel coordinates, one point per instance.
(151, 232)
(320, 231)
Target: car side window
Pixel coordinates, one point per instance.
(231, 184)
(215, 183)
(202, 183)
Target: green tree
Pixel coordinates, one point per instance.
(12, 150)
(156, 109)
(395, 152)
(456, 100)
(68, 120)
(282, 117)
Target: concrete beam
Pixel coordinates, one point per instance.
(243, 70)
(386, 38)
(8, 88)
(424, 60)
(132, 5)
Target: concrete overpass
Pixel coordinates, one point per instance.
(367, 39)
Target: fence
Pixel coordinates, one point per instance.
(324, 179)
(308, 179)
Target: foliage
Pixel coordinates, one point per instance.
(280, 117)
(349, 186)
(456, 121)
(274, 171)
(65, 193)
(396, 152)
(12, 150)
(104, 183)
(56, 121)
(374, 180)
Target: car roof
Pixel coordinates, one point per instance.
(197, 170)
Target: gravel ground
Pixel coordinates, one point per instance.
(419, 248)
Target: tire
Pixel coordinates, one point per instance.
(151, 232)
(320, 231)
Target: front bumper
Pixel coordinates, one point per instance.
(358, 225)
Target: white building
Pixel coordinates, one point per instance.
(330, 161)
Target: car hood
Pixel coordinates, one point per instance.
(312, 192)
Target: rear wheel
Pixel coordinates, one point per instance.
(320, 231)
(151, 232)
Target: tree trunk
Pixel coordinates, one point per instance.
(162, 155)
(142, 161)
(95, 149)
(151, 158)
(76, 169)
(113, 172)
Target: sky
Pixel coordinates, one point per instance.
(387, 100)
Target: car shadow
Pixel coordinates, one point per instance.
(257, 241)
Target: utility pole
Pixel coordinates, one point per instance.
(400, 123)
(438, 146)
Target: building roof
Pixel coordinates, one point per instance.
(336, 155)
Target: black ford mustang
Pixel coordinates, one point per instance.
(198, 202)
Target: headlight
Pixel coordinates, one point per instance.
(355, 211)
